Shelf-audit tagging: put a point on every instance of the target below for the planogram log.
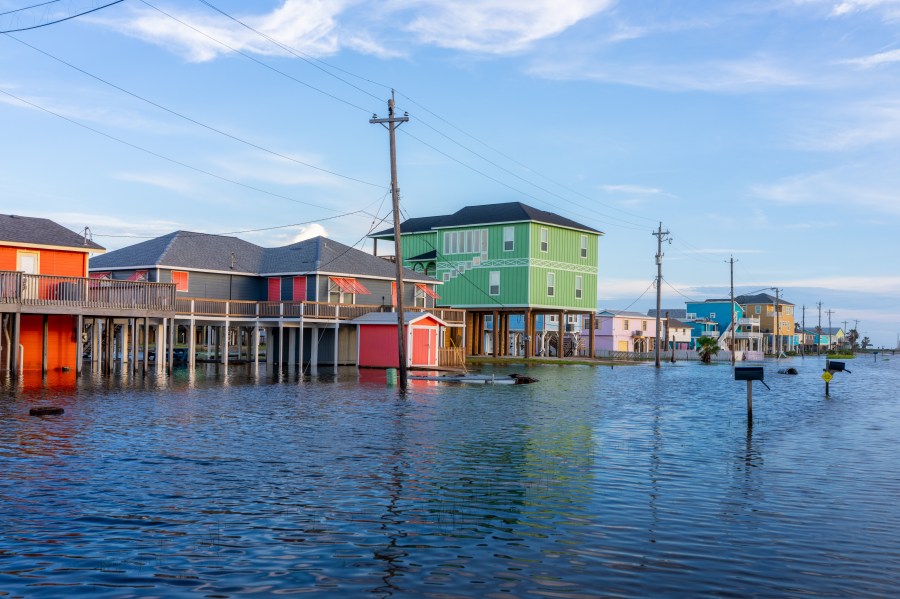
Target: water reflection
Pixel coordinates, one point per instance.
(629, 482)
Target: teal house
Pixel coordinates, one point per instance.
(517, 271)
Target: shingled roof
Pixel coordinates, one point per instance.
(760, 298)
(485, 214)
(201, 251)
(42, 231)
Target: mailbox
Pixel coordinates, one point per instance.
(748, 373)
(833, 366)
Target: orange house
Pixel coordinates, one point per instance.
(38, 246)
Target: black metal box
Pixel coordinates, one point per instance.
(748, 373)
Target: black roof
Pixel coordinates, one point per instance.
(509, 212)
(760, 298)
(41, 231)
(201, 251)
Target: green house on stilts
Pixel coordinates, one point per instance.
(517, 271)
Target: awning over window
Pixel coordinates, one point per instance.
(100, 275)
(348, 285)
(138, 275)
(428, 291)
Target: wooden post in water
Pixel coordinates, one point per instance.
(750, 401)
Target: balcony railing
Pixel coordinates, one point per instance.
(79, 292)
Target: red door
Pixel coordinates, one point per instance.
(299, 289)
(424, 347)
(275, 289)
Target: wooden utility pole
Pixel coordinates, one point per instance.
(775, 338)
(819, 332)
(391, 123)
(803, 334)
(830, 331)
(733, 312)
(660, 237)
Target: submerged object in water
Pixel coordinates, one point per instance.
(788, 371)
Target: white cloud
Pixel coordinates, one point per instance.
(853, 126)
(304, 25)
(874, 60)
(276, 170)
(497, 26)
(164, 181)
(866, 187)
(633, 189)
(308, 232)
(890, 8)
(754, 74)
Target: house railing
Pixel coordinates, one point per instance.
(448, 315)
(251, 309)
(79, 292)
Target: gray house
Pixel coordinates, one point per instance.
(300, 297)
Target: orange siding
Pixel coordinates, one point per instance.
(52, 262)
(61, 341)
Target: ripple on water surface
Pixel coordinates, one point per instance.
(595, 481)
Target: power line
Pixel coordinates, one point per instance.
(192, 120)
(86, 12)
(639, 297)
(311, 61)
(162, 156)
(24, 8)
(678, 292)
(301, 55)
(257, 61)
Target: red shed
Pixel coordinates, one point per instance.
(377, 339)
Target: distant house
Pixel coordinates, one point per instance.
(506, 263)
(623, 331)
(679, 334)
(40, 264)
(776, 320)
(302, 295)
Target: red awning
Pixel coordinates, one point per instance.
(428, 291)
(100, 275)
(348, 285)
(138, 275)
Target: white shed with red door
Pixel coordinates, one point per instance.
(377, 339)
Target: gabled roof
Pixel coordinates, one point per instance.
(486, 214)
(761, 298)
(321, 254)
(42, 231)
(621, 313)
(673, 312)
(189, 250)
(390, 318)
(201, 251)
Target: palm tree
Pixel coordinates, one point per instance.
(707, 347)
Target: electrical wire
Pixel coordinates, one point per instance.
(24, 8)
(257, 61)
(678, 292)
(625, 309)
(70, 17)
(162, 156)
(194, 121)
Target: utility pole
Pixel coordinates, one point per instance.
(733, 312)
(819, 331)
(391, 123)
(829, 312)
(775, 338)
(660, 237)
(803, 333)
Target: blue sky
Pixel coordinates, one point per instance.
(766, 130)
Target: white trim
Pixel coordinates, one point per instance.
(510, 222)
(44, 246)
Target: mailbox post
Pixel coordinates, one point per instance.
(749, 374)
(831, 366)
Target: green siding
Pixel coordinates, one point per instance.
(523, 271)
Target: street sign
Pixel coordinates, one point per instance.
(827, 376)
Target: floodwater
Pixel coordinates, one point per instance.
(596, 481)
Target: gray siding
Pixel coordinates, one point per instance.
(219, 286)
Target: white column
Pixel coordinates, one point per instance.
(314, 351)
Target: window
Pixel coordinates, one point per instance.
(274, 289)
(420, 297)
(509, 239)
(787, 309)
(545, 240)
(494, 283)
(180, 278)
(643, 325)
(712, 315)
(625, 324)
(578, 283)
(551, 284)
(584, 246)
(473, 241)
(758, 309)
(770, 308)
(299, 289)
